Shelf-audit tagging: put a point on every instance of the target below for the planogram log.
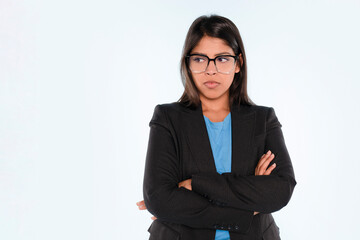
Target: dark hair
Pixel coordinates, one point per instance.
(223, 28)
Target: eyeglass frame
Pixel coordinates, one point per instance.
(211, 59)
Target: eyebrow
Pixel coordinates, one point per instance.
(222, 53)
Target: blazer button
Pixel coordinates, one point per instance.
(222, 227)
(236, 227)
(229, 227)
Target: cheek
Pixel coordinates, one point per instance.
(196, 82)
(230, 80)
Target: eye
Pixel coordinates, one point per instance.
(222, 59)
(198, 59)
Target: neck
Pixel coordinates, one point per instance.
(215, 105)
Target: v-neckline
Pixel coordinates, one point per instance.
(242, 125)
(217, 129)
(217, 123)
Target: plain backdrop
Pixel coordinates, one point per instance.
(79, 81)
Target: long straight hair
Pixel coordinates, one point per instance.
(218, 27)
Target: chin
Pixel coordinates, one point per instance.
(212, 96)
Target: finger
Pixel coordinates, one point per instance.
(142, 207)
(269, 170)
(263, 159)
(153, 218)
(261, 168)
(265, 165)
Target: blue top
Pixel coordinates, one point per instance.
(220, 141)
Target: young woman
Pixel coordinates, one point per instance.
(217, 165)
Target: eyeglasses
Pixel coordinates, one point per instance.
(223, 63)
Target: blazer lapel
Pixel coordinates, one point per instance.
(199, 142)
(242, 124)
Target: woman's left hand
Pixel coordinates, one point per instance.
(186, 184)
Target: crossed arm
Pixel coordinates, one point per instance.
(187, 202)
(261, 169)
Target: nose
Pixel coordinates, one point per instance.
(211, 68)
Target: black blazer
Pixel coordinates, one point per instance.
(179, 149)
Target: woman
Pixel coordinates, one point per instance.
(216, 164)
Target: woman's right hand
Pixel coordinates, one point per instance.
(141, 206)
(261, 168)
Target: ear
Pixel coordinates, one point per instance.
(241, 63)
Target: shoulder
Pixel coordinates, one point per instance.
(267, 110)
(173, 106)
(264, 114)
(268, 114)
(259, 109)
(165, 111)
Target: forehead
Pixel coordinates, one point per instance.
(212, 46)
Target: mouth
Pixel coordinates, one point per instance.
(211, 84)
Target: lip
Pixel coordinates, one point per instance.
(211, 84)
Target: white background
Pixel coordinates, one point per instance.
(79, 81)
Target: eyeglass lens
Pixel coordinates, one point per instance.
(224, 64)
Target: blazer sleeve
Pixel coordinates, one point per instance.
(166, 201)
(265, 193)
